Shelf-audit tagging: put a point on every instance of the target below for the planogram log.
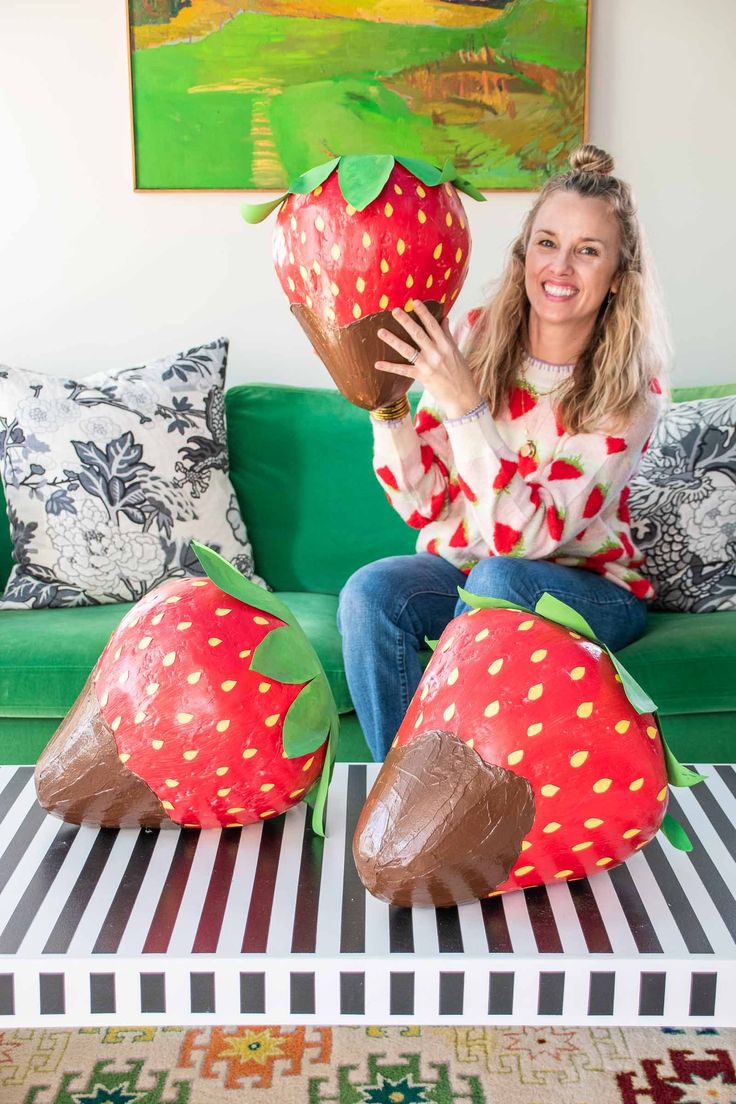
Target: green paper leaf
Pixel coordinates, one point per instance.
(229, 579)
(431, 644)
(318, 809)
(638, 697)
(312, 178)
(463, 185)
(478, 602)
(555, 610)
(307, 722)
(257, 212)
(449, 172)
(423, 170)
(286, 655)
(675, 833)
(362, 178)
(677, 774)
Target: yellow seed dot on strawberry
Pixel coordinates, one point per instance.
(317, 267)
(168, 659)
(244, 654)
(224, 793)
(401, 247)
(157, 744)
(268, 813)
(495, 667)
(524, 626)
(116, 724)
(443, 298)
(227, 685)
(264, 687)
(184, 718)
(303, 272)
(220, 771)
(296, 793)
(318, 190)
(272, 720)
(173, 598)
(235, 809)
(563, 873)
(139, 718)
(410, 281)
(462, 223)
(398, 189)
(330, 314)
(622, 726)
(191, 754)
(602, 785)
(631, 832)
(167, 805)
(534, 729)
(194, 678)
(171, 782)
(551, 827)
(319, 222)
(418, 721)
(459, 256)
(652, 732)
(308, 763)
(421, 216)
(290, 282)
(388, 210)
(535, 691)
(222, 726)
(448, 644)
(584, 709)
(482, 634)
(574, 635)
(448, 219)
(429, 281)
(549, 790)
(470, 743)
(349, 210)
(249, 753)
(360, 284)
(104, 699)
(335, 252)
(437, 252)
(221, 611)
(662, 794)
(636, 784)
(491, 709)
(409, 305)
(582, 846)
(293, 223)
(593, 822)
(383, 302)
(366, 240)
(453, 676)
(124, 757)
(334, 288)
(420, 191)
(514, 757)
(123, 678)
(522, 870)
(266, 787)
(356, 310)
(425, 691)
(577, 673)
(525, 845)
(449, 713)
(447, 273)
(539, 655)
(291, 261)
(144, 641)
(603, 862)
(384, 266)
(184, 625)
(214, 642)
(578, 758)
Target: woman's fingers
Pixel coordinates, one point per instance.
(397, 343)
(428, 320)
(416, 332)
(397, 369)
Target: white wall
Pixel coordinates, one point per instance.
(94, 275)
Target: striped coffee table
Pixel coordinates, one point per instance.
(270, 924)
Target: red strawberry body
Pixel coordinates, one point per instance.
(565, 468)
(188, 714)
(546, 704)
(595, 500)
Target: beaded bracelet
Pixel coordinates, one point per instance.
(469, 416)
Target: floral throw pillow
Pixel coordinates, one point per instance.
(683, 507)
(108, 478)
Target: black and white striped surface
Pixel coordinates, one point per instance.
(270, 924)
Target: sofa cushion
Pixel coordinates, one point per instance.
(108, 479)
(683, 507)
(301, 467)
(47, 654)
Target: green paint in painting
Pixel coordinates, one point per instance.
(262, 97)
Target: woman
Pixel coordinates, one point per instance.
(516, 467)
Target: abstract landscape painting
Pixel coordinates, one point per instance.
(247, 94)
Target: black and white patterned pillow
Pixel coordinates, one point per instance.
(683, 507)
(108, 478)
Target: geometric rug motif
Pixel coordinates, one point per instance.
(368, 1065)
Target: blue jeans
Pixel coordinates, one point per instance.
(387, 608)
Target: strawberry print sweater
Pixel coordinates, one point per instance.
(470, 492)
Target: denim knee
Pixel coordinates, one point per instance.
(499, 577)
(362, 592)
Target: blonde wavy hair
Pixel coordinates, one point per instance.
(630, 342)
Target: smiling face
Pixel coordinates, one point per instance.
(571, 260)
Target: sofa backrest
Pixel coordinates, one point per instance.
(301, 466)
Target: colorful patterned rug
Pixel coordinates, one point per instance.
(368, 1065)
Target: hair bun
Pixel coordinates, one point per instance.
(591, 159)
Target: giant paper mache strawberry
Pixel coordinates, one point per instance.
(207, 708)
(527, 755)
(357, 237)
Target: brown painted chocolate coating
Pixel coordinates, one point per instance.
(80, 778)
(349, 354)
(440, 827)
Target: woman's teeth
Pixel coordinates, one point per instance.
(558, 292)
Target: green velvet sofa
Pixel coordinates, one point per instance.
(300, 464)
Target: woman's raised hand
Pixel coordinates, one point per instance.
(439, 367)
